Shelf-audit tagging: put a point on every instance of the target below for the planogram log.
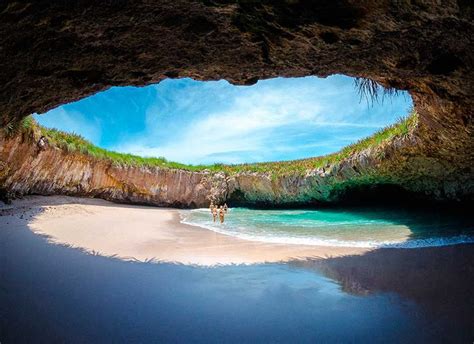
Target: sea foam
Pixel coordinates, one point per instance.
(201, 218)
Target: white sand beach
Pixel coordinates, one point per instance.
(146, 233)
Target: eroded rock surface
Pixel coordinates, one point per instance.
(54, 52)
(25, 168)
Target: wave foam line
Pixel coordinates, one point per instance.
(410, 244)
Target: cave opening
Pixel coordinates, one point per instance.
(206, 123)
(348, 269)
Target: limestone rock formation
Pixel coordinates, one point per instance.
(26, 168)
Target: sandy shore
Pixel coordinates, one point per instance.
(146, 233)
(51, 293)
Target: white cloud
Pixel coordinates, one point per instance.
(252, 126)
(205, 122)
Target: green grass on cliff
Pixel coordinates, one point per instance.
(74, 143)
(402, 128)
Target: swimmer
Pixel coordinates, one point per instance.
(214, 213)
(211, 206)
(221, 214)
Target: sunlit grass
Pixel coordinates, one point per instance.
(401, 128)
(75, 143)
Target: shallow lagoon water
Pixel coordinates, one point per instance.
(351, 227)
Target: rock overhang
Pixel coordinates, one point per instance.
(54, 52)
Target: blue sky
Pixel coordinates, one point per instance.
(205, 122)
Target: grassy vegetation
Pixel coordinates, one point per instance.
(400, 129)
(76, 143)
(14, 127)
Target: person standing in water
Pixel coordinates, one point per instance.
(221, 214)
(226, 207)
(214, 213)
(211, 206)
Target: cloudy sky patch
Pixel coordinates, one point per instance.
(205, 122)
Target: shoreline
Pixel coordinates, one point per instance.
(155, 234)
(146, 233)
(395, 292)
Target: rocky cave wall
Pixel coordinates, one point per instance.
(26, 168)
(54, 52)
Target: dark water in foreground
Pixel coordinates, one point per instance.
(52, 294)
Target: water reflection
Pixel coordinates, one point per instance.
(51, 293)
(439, 280)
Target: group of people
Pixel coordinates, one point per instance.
(218, 211)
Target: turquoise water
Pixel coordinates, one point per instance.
(361, 227)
